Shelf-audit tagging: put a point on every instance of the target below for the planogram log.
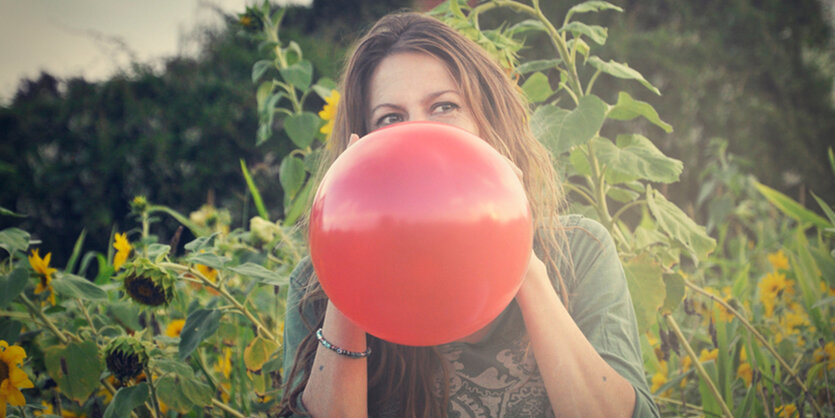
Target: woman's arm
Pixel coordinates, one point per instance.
(578, 381)
(338, 385)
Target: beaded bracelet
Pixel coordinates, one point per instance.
(339, 350)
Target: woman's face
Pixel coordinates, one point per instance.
(411, 86)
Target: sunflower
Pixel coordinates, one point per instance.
(175, 327)
(778, 260)
(147, 283)
(44, 272)
(123, 249)
(328, 112)
(126, 357)
(12, 378)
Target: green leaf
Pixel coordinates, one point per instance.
(72, 286)
(264, 91)
(622, 195)
(674, 285)
(257, 352)
(200, 324)
(175, 367)
(678, 226)
(628, 108)
(260, 273)
(324, 87)
(199, 393)
(528, 25)
(126, 400)
(126, 314)
(10, 330)
(291, 175)
(302, 128)
(560, 129)
(259, 68)
(590, 6)
(253, 190)
(596, 33)
(791, 208)
(298, 206)
(620, 70)
(169, 390)
(826, 208)
(635, 158)
(537, 65)
(76, 251)
(7, 212)
(76, 368)
(536, 88)
(14, 240)
(580, 162)
(646, 287)
(209, 260)
(12, 284)
(202, 243)
(299, 74)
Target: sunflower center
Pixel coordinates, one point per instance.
(4, 371)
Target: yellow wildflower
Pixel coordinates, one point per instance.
(786, 411)
(771, 286)
(328, 112)
(224, 363)
(175, 327)
(12, 378)
(744, 370)
(41, 267)
(778, 261)
(660, 378)
(123, 249)
(48, 410)
(706, 355)
(826, 290)
(825, 354)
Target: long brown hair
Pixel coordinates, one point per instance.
(502, 115)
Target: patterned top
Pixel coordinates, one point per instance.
(498, 376)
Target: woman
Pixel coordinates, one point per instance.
(567, 345)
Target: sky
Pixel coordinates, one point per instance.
(95, 38)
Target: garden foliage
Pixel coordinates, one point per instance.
(735, 316)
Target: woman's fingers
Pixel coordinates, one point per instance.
(353, 138)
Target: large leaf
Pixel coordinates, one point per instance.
(126, 400)
(75, 367)
(12, 284)
(73, 286)
(14, 240)
(259, 68)
(590, 6)
(791, 208)
(678, 226)
(299, 74)
(200, 324)
(620, 70)
(260, 273)
(560, 129)
(635, 158)
(536, 88)
(257, 352)
(537, 65)
(646, 287)
(212, 260)
(291, 175)
(302, 128)
(596, 33)
(628, 108)
(674, 295)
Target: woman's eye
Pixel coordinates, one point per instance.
(444, 107)
(389, 119)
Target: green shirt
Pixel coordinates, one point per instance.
(498, 376)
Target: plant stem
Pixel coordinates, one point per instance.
(87, 315)
(226, 408)
(222, 290)
(46, 321)
(698, 365)
(759, 337)
(154, 399)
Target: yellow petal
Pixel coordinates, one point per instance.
(14, 354)
(19, 379)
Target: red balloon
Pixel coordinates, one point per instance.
(420, 233)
